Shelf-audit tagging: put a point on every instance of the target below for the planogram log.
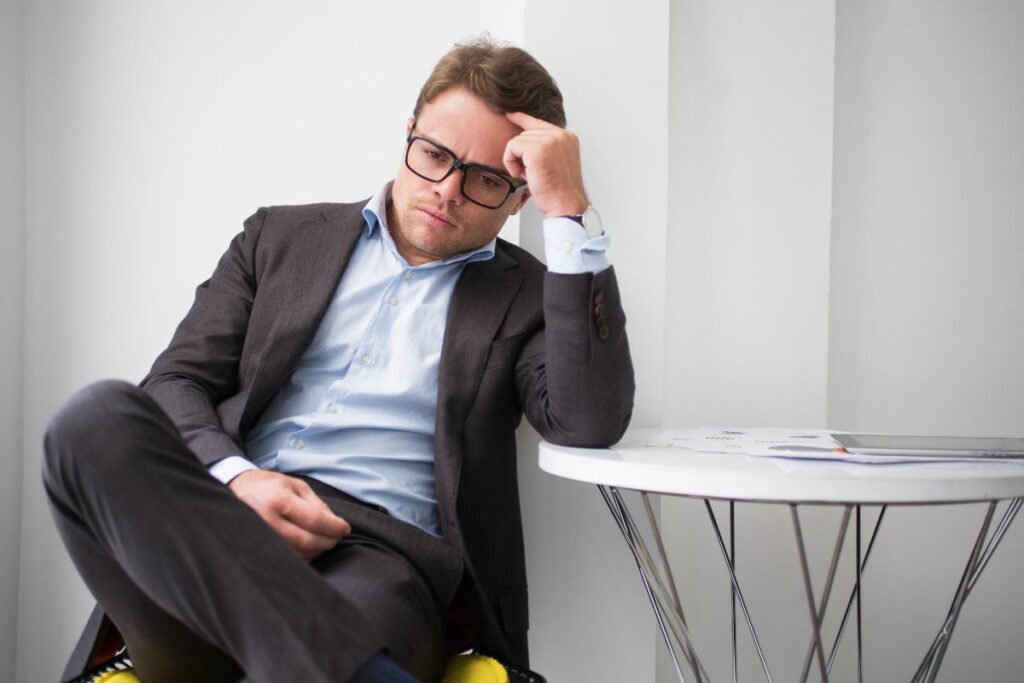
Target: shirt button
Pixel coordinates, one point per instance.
(566, 247)
(299, 444)
(392, 301)
(407, 275)
(332, 409)
(367, 359)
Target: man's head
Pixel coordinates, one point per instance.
(461, 108)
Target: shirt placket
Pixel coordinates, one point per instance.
(372, 352)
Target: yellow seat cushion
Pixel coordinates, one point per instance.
(474, 669)
(460, 669)
(117, 677)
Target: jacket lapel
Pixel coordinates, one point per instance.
(320, 253)
(479, 304)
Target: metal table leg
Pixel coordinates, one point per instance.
(732, 589)
(818, 612)
(737, 590)
(980, 555)
(855, 594)
(670, 618)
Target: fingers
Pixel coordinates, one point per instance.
(513, 160)
(289, 506)
(308, 544)
(548, 158)
(311, 513)
(525, 121)
(535, 144)
(540, 149)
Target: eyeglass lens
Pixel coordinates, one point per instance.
(481, 186)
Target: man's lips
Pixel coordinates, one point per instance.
(437, 218)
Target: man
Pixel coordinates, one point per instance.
(352, 376)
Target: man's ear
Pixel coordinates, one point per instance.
(408, 125)
(523, 197)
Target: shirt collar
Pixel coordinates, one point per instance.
(375, 213)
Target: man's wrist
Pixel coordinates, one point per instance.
(573, 206)
(226, 469)
(589, 220)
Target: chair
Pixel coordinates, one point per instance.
(102, 658)
(467, 668)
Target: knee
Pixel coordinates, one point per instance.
(85, 431)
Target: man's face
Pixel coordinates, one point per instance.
(431, 221)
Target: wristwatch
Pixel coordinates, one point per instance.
(590, 220)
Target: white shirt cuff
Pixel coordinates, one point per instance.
(569, 250)
(228, 468)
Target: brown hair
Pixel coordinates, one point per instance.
(505, 77)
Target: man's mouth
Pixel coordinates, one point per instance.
(437, 218)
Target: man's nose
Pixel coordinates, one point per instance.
(450, 189)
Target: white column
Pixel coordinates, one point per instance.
(589, 616)
(12, 281)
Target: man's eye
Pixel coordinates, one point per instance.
(488, 181)
(435, 155)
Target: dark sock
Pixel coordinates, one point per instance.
(380, 668)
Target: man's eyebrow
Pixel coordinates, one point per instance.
(497, 171)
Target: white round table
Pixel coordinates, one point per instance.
(632, 464)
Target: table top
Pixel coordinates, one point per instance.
(631, 464)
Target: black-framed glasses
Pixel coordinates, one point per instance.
(482, 185)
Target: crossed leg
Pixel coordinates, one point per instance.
(196, 582)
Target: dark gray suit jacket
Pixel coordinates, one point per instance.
(518, 339)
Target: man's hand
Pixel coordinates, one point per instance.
(548, 157)
(291, 509)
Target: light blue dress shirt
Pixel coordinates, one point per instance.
(359, 411)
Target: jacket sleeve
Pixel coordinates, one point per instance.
(575, 376)
(200, 367)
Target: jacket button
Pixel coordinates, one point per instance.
(599, 297)
(603, 332)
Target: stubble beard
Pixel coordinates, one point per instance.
(414, 235)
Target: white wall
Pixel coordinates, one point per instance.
(746, 306)
(12, 278)
(928, 293)
(153, 130)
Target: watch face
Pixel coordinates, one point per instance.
(592, 222)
